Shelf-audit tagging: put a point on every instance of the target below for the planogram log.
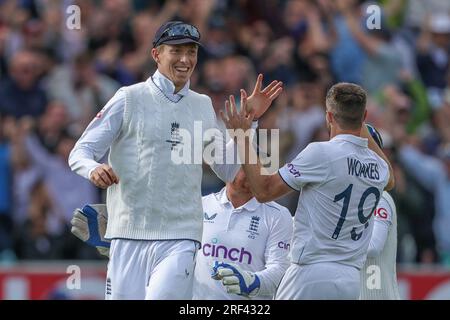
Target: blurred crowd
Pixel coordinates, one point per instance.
(54, 79)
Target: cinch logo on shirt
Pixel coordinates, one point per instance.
(294, 171)
(284, 245)
(382, 213)
(233, 254)
(366, 170)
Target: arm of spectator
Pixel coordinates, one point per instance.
(369, 44)
(327, 10)
(36, 151)
(315, 29)
(394, 8)
(423, 42)
(442, 118)
(98, 137)
(16, 135)
(107, 91)
(202, 14)
(428, 170)
(169, 10)
(276, 253)
(26, 145)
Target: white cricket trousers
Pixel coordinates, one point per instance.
(319, 281)
(150, 270)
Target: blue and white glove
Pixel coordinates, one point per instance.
(236, 280)
(89, 225)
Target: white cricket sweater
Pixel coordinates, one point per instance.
(156, 199)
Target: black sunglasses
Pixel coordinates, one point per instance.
(179, 31)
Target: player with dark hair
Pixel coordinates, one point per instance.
(341, 182)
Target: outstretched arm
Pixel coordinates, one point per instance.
(257, 103)
(261, 99)
(264, 187)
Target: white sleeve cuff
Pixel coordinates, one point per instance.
(90, 172)
(286, 177)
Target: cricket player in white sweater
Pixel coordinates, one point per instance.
(153, 202)
(379, 275)
(341, 182)
(245, 245)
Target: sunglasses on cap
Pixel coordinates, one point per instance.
(178, 32)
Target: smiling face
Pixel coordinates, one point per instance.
(176, 62)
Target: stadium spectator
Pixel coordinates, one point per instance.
(433, 56)
(6, 199)
(21, 94)
(434, 175)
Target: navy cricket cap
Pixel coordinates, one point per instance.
(375, 135)
(176, 32)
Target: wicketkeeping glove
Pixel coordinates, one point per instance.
(236, 280)
(89, 225)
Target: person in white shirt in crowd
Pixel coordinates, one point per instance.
(245, 245)
(154, 204)
(379, 275)
(341, 182)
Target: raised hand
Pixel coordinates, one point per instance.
(261, 99)
(237, 120)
